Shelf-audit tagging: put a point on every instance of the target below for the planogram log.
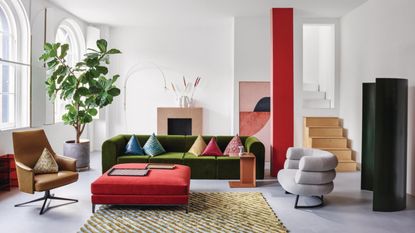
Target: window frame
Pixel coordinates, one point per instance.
(74, 31)
(18, 61)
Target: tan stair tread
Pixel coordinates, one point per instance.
(334, 149)
(347, 161)
(328, 137)
(325, 126)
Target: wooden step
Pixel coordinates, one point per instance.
(328, 142)
(325, 131)
(340, 153)
(346, 166)
(322, 122)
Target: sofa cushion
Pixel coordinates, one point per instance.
(233, 146)
(304, 177)
(153, 146)
(286, 177)
(168, 157)
(202, 167)
(227, 167)
(133, 159)
(133, 147)
(198, 146)
(212, 149)
(46, 163)
(172, 143)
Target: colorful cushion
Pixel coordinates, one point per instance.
(233, 146)
(198, 146)
(212, 148)
(153, 146)
(46, 163)
(133, 147)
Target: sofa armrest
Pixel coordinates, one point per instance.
(111, 149)
(25, 177)
(66, 163)
(256, 147)
(295, 153)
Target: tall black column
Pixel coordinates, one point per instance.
(389, 186)
(368, 135)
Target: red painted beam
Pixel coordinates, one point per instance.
(282, 86)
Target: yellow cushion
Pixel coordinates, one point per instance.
(198, 146)
(46, 163)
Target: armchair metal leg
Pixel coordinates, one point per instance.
(45, 198)
(321, 198)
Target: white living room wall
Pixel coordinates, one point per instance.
(378, 41)
(149, 52)
(57, 133)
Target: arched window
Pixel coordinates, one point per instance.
(14, 65)
(69, 32)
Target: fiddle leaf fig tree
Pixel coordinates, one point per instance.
(86, 87)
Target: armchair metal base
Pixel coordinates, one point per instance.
(321, 198)
(45, 206)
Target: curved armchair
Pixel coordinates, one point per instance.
(28, 146)
(308, 172)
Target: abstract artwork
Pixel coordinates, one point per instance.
(255, 112)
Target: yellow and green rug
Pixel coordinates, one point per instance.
(208, 212)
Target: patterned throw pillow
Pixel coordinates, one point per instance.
(153, 146)
(46, 163)
(133, 147)
(212, 148)
(198, 146)
(233, 146)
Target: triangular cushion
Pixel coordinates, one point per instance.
(133, 147)
(46, 163)
(212, 148)
(233, 146)
(198, 146)
(153, 146)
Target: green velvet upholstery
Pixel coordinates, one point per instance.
(133, 159)
(169, 157)
(228, 167)
(202, 167)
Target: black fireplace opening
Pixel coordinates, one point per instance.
(179, 126)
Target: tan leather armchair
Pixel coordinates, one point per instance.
(28, 146)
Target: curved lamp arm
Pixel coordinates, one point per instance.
(139, 67)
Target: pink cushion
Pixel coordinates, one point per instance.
(233, 145)
(212, 148)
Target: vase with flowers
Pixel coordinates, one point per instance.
(184, 95)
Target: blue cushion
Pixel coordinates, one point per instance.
(133, 147)
(153, 146)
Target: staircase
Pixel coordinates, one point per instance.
(313, 97)
(327, 133)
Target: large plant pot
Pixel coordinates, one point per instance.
(78, 151)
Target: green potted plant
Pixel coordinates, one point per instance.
(86, 87)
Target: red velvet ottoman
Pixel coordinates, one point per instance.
(159, 187)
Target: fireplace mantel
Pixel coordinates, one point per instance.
(163, 114)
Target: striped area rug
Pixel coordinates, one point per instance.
(208, 212)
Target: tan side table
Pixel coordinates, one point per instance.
(247, 172)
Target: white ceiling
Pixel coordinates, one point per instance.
(150, 12)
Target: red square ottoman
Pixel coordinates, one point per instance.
(159, 187)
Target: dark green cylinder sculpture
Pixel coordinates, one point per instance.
(368, 135)
(389, 186)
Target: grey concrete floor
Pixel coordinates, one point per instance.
(347, 209)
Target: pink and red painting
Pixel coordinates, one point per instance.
(255, 112)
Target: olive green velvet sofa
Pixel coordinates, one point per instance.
(202, 167)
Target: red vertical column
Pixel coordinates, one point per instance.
(282, 86)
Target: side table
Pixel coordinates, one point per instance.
(247, 172)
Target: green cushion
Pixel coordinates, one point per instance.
(169, 157)
(133, 159)
(228, 167)
(172, 143)
(202, 167)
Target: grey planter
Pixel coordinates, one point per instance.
(78, 151)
